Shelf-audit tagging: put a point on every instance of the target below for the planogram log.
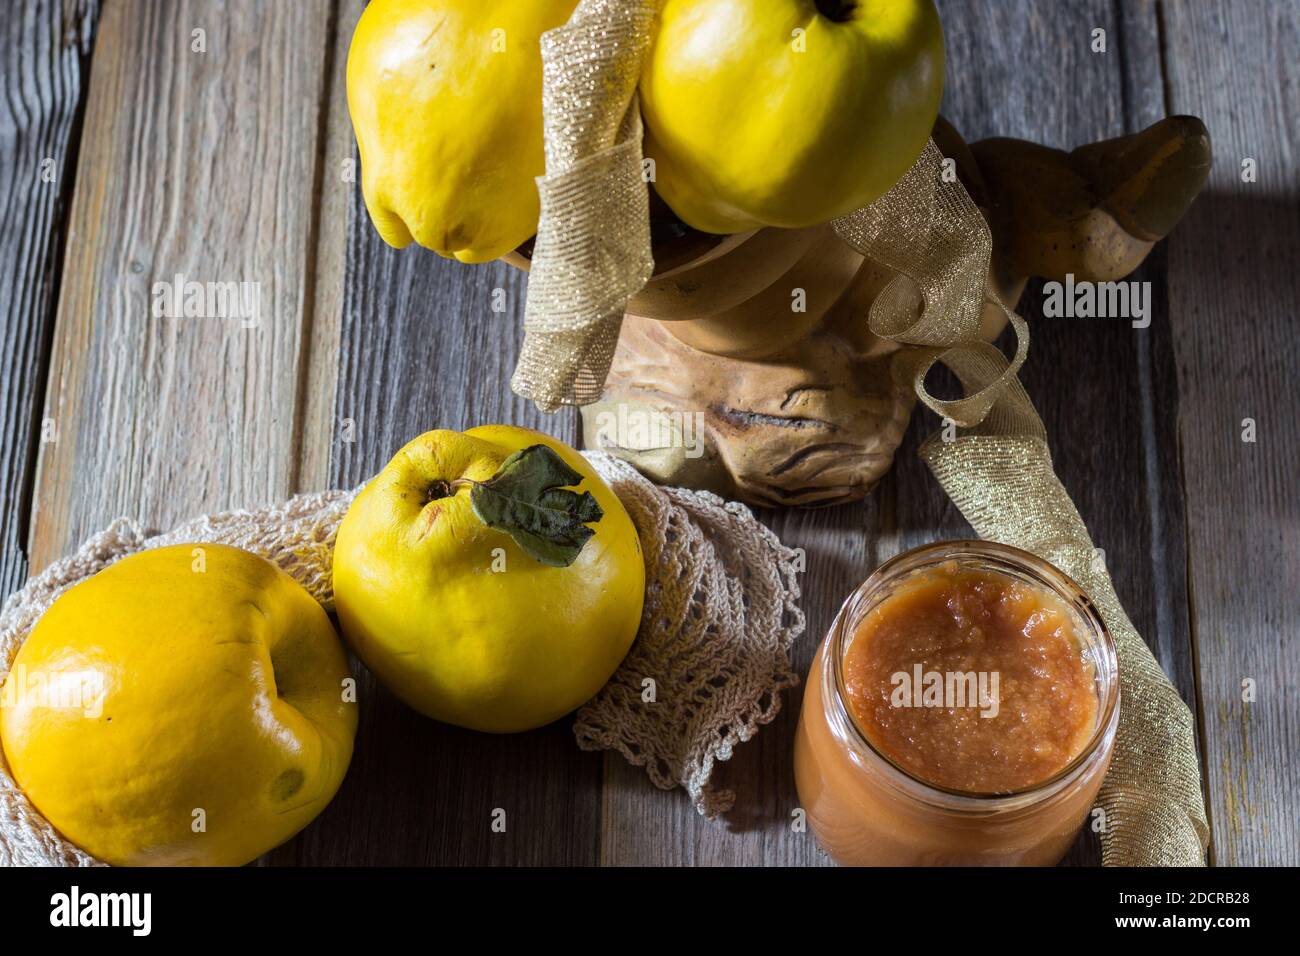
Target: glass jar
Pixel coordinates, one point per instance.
(867, 811)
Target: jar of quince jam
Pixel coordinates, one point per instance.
(961, 711)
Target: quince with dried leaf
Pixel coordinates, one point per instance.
(489, 578)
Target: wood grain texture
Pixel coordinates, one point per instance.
(44, 55)
(1104, 390)
(336, 172)
(1234, 286)
(421, 349)
(199, 163)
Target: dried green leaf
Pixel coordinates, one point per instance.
(528, 500)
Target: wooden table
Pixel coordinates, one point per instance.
(136, 149)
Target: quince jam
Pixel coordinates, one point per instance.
(972, 680)
(961, 711)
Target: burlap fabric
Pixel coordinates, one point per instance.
(705, 672)
(998, 469)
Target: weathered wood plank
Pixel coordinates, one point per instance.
(199, 160)
(44, 55)
(1234, 286)
(422, 349)
(1105, 390)
(336, 174)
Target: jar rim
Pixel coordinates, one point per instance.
(1044, 573)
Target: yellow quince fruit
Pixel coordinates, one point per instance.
(489, 578)
(787, 112)
(185, 706)
(446, 102)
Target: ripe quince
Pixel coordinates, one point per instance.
(185, 706)
(446, 102)
(489, 578)
(787, 112)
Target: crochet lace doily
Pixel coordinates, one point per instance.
(705, 672)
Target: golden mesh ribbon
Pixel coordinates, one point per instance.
(592, 250)
(998, 470)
